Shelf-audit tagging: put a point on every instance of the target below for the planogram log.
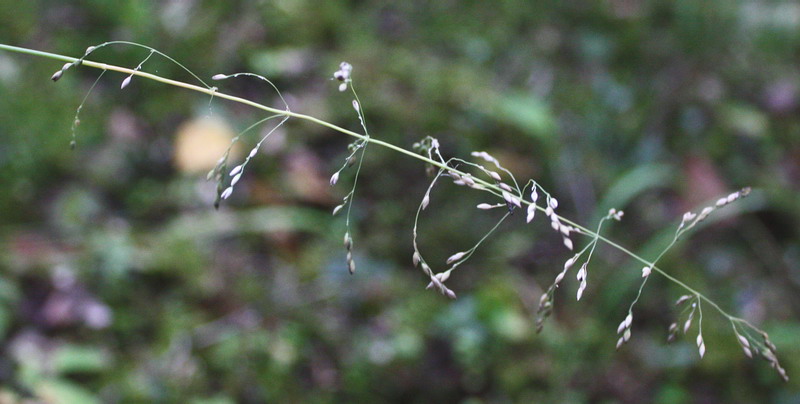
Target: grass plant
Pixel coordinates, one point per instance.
(481, 173)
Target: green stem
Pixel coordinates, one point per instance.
(213, 92)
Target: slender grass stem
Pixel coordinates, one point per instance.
(212, 91)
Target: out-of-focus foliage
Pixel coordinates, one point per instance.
(119, 283)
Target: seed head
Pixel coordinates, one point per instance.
(426, 268)
(769, 356)
(570, 262)
(543, 299)
(443, 276)
(343, 74)
(455, 257)
(628, 320)
(687, 324)
(531, 213)
(742, 340)
(487, 157)
(511, 200)
(705, 212)
(581, 288)
(425, 201)
(125, 82)
(768, 343)
(435, 282)
(681, 300)
(226, 193)
(687, 217)
(673, 331)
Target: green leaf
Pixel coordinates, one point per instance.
(633, 183)
(78, 359)
(527, 112)
(55, 391)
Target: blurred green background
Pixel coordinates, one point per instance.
(119, 282)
